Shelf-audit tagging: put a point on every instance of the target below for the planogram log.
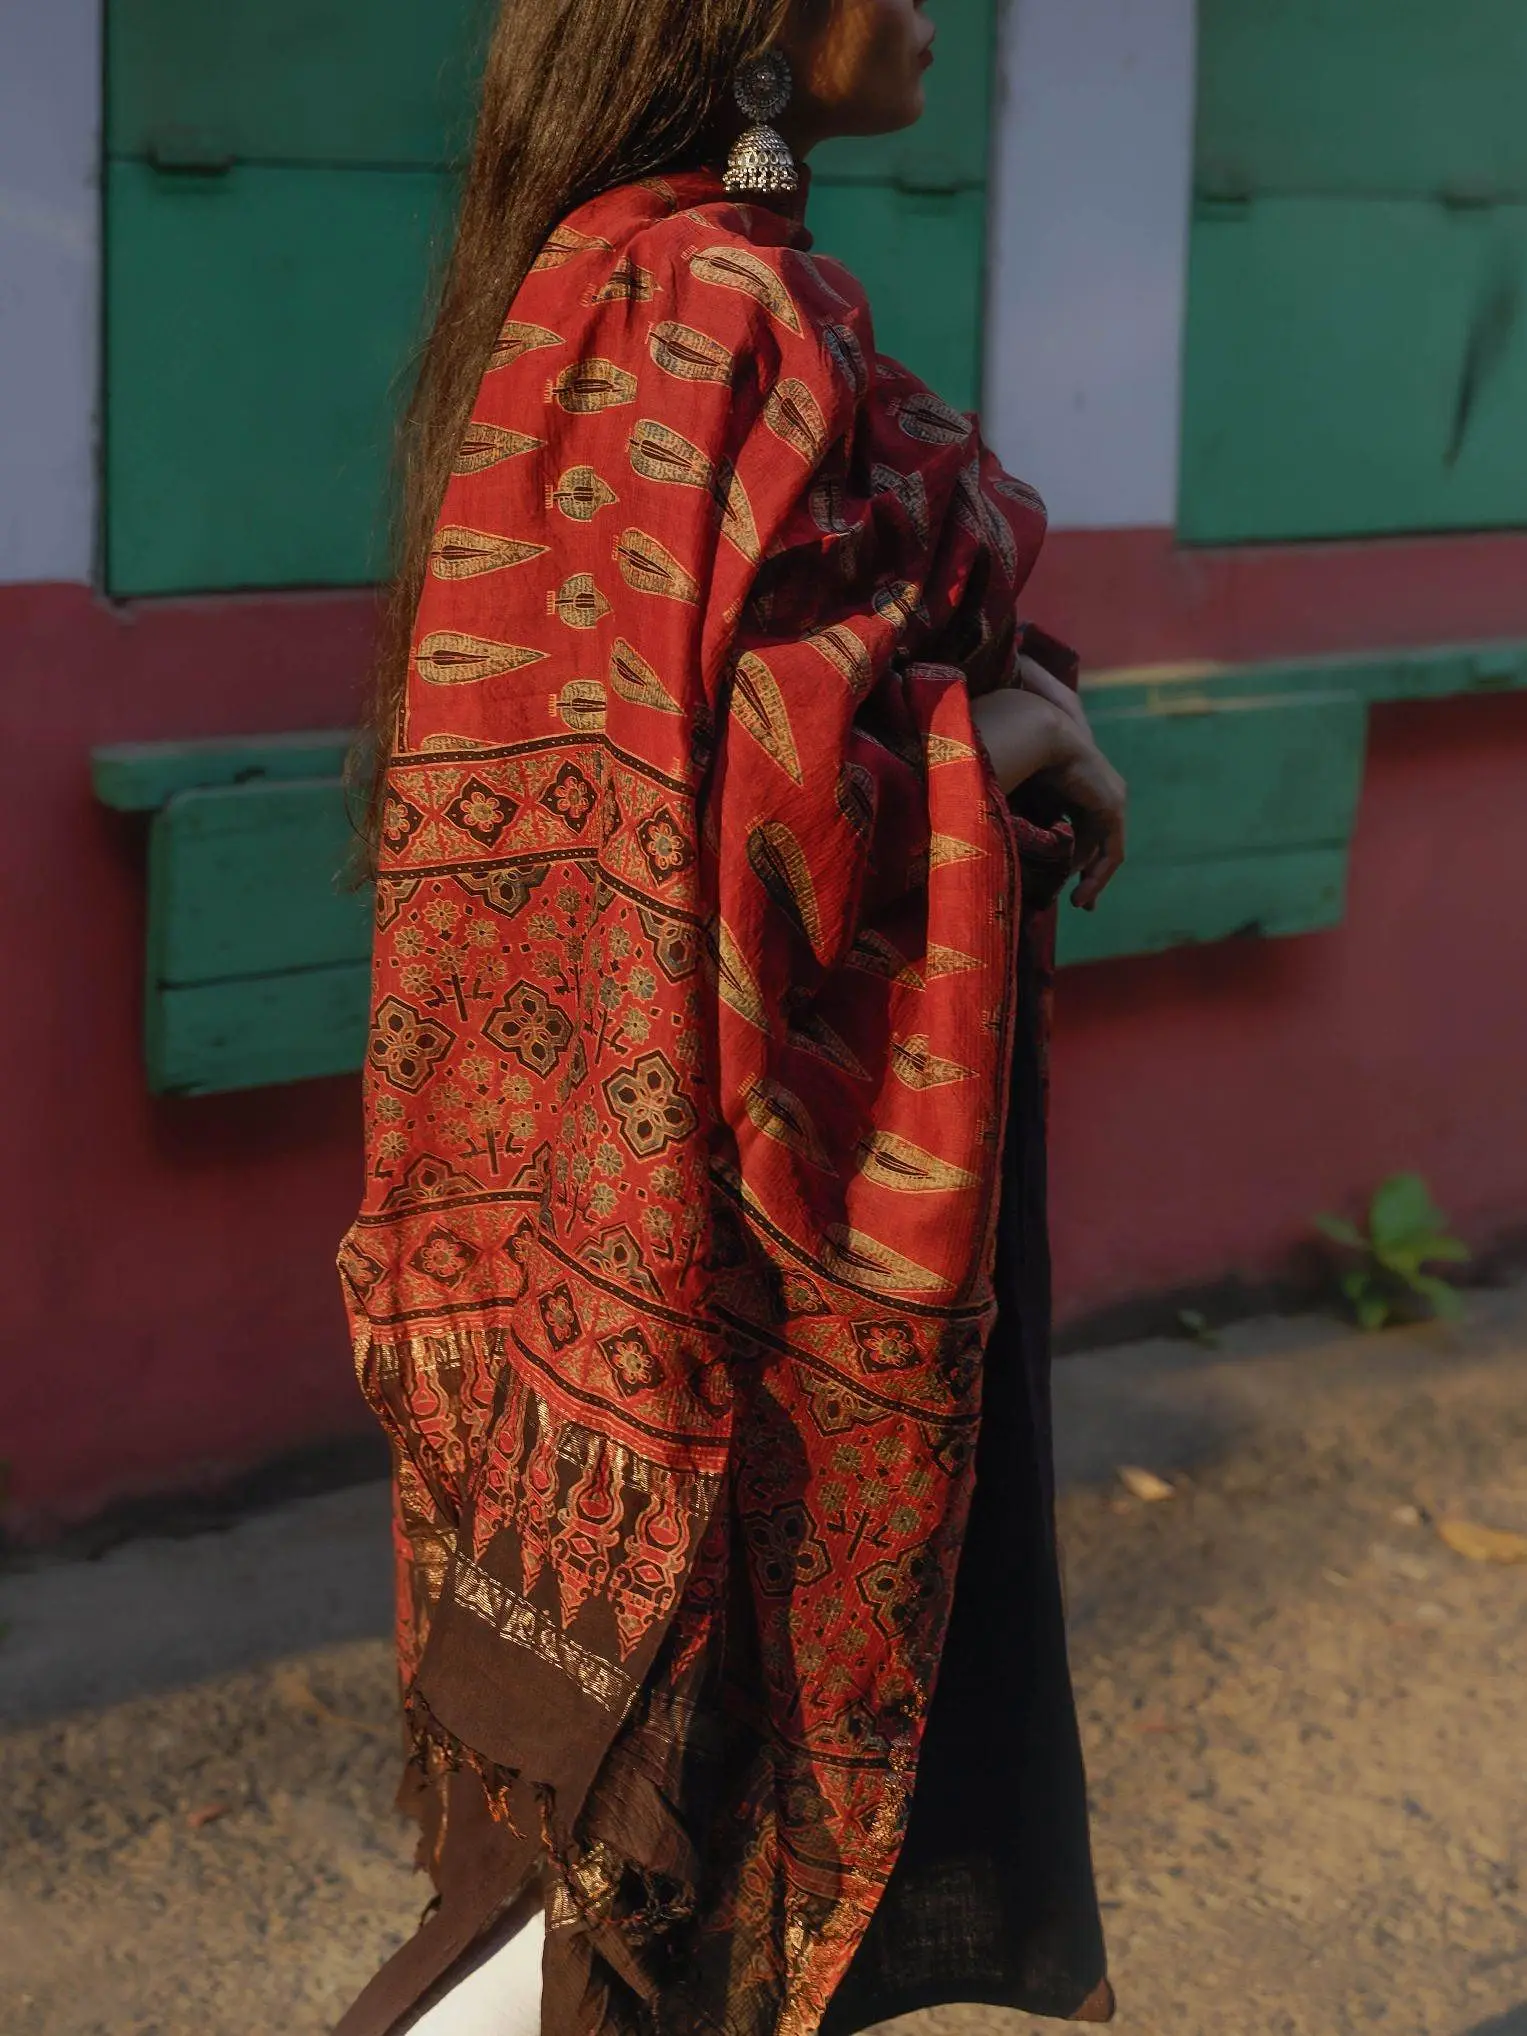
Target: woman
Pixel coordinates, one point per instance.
(700, 1282)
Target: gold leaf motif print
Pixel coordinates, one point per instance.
(581, 494)
(462, 554)
(944, 849)
(738, 268)
(518, 339)
(650, 568)
(628, 283)
(900, 603)
(779, 863)
(736, 984)
(578, 602)
(910, 491)
(450, 659)
(855, 1256)
(738, 523)
(848, 655)
(949, 961)
(842, 347)
(564, 244)
(793, 414)
(781, 1115)
(929, 418)
(942, 749)
(635, 680)
(758, 705)
(690, 356)
(1020, 491)
(812, 1034)
(582, 706)
(907, 1169)
(659, 453)
(592, 385)
(916, 1066)
(488, 445)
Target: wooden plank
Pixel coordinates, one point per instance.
(1390, 98)
(1437, 673)
(921, 258)
(304, 81)
(1154, 906)
(949, 148)
(1327, 395)
(139, 777)
(1232, 777)
(247, 880)
(255, 1034)
(259, 328)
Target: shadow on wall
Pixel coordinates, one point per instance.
(1512, 2023)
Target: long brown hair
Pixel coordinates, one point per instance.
(577, 96)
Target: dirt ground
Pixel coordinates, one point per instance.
(1305, 1716)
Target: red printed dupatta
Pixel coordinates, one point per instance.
(685, 1092)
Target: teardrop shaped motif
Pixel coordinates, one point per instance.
(489, 445)
(458, 553)
(737, 268)
(518, 339)
(578, 603)
(758, 705)
(793, 414)
(650, 568)
(634, 679)
(690, 356)
(581, 494)
(449, 658)
(592, 385)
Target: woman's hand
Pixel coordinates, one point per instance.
(1033, 678)
(1029, 736)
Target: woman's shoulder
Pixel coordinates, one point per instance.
(683, 241)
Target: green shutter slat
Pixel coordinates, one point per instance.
(1354, 368)
(259, 324)
(315, 81)
(247, 880)
(949, 147)
(258, 1033)
(1151, 907)
(139, 777)
(1242, 775)
(1394, 98)
(1240, 819)
(921, 258)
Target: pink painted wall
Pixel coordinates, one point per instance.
(170, 1300)
(171, 1305)
(1208, 1101)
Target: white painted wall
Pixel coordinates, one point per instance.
(50, 111)
(1090, 218)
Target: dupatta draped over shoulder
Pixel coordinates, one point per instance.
(693, 1015)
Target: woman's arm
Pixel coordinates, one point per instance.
(1026, 736)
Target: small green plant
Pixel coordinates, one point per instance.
(1406, 1232)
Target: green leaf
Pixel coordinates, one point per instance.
(1448, 1251)
(1373, 1311)
(1447, 1302)
(1341, 1232)
(1403, 1210)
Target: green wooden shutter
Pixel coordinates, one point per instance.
(1356, 356)
(277, 188)
(907, 212)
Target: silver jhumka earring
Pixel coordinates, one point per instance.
(761, 159)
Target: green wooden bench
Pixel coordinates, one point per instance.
(1245, 784)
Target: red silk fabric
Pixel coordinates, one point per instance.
(687, 1080)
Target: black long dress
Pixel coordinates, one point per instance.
(993, 1899)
